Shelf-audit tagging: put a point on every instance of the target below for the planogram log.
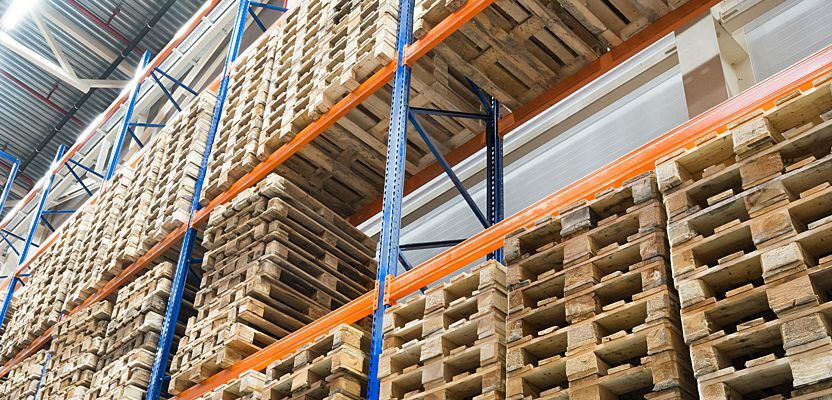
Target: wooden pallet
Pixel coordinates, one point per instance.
(248, 386)
(179, 163)
(41, 301)
(75, 351)
(751, 221)
(585, 230)
(276, 260)
(334, 366)
(22, 380)
(448, 342)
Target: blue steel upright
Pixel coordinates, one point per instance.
(125, 123)
(494, 171)
(388, 246)
(12, 174)
(160, 362)
(24, 251)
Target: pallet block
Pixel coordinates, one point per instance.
(22, 380)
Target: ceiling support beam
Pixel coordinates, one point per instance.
(41, 62)
(81, 36)
(56, 49)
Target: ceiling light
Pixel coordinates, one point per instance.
(16, 11)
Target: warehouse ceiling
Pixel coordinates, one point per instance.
(48, 61)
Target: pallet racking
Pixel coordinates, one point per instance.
(468, 251)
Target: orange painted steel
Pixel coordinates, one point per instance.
(563, 89)
(352, 100)
(157, 61)
(762, 95)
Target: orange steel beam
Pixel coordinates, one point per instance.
(762, 95)
(352, 100)
(561, 90)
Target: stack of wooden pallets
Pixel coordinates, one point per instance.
(450, 342)
(132, 335)
(276, 260)
(248, 386)
(75, 348)
(234, 150)
(516, 49)
(592, 311)
(180, 148)
(22, 381)
(750, 225)
(40, 302)
(96, 262)
(334, 366)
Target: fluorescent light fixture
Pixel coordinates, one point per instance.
(15, 13)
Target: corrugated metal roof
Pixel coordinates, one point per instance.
(26, 121)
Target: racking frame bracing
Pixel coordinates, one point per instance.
(762, 95)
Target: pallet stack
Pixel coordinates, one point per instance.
(181, 145)
(248, 386)
(127, 352)
(276, 260)
(76, 348)
(750, 223)
(22, 381)
(450, 342)
(41, 301)
(592, 312)
(234, 151)
(334, 366)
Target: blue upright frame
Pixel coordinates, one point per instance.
(390, 252)
(125, 123)
(160, 362)
(27, 244)
(7, 188)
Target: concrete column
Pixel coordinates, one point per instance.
(714, 64)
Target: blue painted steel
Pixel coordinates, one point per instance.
(136, 138)
(46, 212)
(43, 372)
(269, 6)
(494, 163)
(125, 124)
(10, 233)
(86, 168)
(165, 90)
(78, 178)
(408, 266)
(446, 113)
(11, 245)
(7, 188)
(176, 81)
(438, 244)
(256, 19)
(450, 172)
(46, 222)
(494, 173)
(388, 247)
(160, 362)
(147, 125)
(24, 251)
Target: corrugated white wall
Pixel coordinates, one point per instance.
(788, 33)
